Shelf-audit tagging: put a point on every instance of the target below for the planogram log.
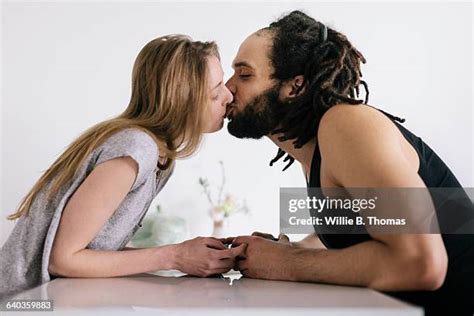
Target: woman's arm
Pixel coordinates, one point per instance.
(88, 210)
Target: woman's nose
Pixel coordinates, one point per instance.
(229, 96)
(229, 84)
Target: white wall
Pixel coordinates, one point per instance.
(4, 227)
(67, 66)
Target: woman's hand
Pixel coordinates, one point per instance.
(205, 256)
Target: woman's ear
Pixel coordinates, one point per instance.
(292, 88)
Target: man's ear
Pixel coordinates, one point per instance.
(292, 88)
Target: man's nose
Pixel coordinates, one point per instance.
(230, 85)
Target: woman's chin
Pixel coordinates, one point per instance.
(217, 127)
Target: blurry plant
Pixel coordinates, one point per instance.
(226, 203)
(159, 229)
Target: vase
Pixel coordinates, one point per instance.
(219, 229)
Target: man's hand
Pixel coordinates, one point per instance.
(264, 258)
(281, 238)
(205, 256)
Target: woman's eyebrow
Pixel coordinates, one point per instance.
(217, 86)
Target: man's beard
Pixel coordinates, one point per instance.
(258, 118)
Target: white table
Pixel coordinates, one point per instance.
(160, 295)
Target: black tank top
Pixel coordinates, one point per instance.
(458, 287)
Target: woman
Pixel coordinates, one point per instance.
(84, 209)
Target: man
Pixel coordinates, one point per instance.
(297, 82)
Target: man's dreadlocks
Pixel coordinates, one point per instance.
(331, 69)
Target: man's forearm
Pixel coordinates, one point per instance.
(371, 264)
(310, 241)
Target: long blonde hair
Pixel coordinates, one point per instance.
(169, 101)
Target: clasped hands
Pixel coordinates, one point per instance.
(257, 256)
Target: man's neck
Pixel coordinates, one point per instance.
(303, 155)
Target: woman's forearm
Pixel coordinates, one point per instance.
(88, 263)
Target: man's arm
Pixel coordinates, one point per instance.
(310, 241)
(359, 148)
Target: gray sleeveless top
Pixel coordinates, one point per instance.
(24, 257)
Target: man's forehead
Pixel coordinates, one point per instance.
(253, 52)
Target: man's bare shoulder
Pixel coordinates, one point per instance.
(350, 123)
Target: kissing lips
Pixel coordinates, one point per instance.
(228, 112)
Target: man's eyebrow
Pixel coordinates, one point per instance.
(242, 64)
